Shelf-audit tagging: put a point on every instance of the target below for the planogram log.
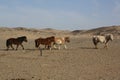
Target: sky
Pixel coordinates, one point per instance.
(59, 14)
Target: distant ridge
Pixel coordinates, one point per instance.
(101, 30)
(43, 32)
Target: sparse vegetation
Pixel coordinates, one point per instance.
(79, 62)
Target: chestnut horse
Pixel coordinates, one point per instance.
(16, 41)
(45, 41)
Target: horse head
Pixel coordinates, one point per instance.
(36, 43)
(109, 37)
(67, 39)
(25, 39)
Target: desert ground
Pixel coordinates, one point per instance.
(80, 61)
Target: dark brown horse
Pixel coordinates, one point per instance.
(45, 41)
(16, 41)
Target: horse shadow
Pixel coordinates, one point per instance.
(18, 49)
(87, 48)
(31, 49)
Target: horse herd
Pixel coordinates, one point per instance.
(48, 42)
(54, 41)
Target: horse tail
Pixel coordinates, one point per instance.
(7, 43)
(36, 44)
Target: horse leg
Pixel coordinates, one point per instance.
(54, 46)
(65, 46)
(17, 46)
(7, 48)
(106, 46)
(22, 47)
(58, 47)
(95, 43)
(45, 46)
(12, 46)
(96, 47)
(49, 47)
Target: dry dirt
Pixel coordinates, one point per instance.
(79, 62)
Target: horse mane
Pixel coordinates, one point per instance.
(67, 39)
(21, 37)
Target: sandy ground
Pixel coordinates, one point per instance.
(79, 62)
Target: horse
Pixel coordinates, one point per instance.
(61, 41)
(45, 41)
(16, 41)
(102, 39)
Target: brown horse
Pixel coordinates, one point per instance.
(16, 41)
(45, 41)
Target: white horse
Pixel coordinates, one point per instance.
(61, 41)
(102, 39)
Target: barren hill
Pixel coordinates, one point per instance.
(31, 33)
(35, 33)
(102, 30)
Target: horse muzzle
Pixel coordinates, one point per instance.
(26, 40)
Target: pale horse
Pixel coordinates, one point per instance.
(61, 41)
(102, 39)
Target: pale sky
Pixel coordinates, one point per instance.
(59, 14)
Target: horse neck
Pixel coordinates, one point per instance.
(20, 40)
(108, 38)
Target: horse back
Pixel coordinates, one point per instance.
(10, 41)
(59, 40)
(45, 41)
(13, 41)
